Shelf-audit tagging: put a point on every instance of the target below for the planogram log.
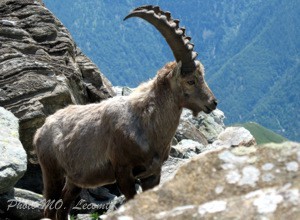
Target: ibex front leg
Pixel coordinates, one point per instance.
(151, 181)
(125, 181)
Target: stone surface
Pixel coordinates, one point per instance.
(186, 149)
(98, 86)
(84, 217)
(257, 182)
(41, 71)
(21, 204)
(188, 130)
(230, 137)
(13, 158)
(122, 90)
(170, 168)
(204, 128)
(235, 136)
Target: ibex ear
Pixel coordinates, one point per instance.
(177, 70)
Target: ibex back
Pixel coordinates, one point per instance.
(123, 138)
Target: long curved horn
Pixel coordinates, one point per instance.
(180, 44)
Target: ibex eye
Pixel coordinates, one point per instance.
(191, 82)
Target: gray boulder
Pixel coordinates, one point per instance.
(13, 158)
(257, 182)
(188, 130)
(21, 204)
(235, 136)
(170, 168)
(208, 126)
(230, 137)
(186, 149)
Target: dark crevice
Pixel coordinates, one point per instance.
(22, 70)
(26, 97)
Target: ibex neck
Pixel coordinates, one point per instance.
(159, 109)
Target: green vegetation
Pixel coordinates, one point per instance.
(261, 134)
(95, 216)
(250, 50)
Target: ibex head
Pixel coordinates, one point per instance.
(187, 78)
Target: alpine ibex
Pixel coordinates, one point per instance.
(123, 139)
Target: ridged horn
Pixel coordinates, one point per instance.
(180, 44)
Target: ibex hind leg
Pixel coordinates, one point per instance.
(54, 181)
(69, 194)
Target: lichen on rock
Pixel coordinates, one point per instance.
(227, 183)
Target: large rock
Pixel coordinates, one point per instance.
(235, 136)
(204, 128)
(188, 131)
(170, 168)
(41, 71)
(230, 137)
(13, 158)
(21, 204)
(98, 86)
(186, 148)
(257, 182)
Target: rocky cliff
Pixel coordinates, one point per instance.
(41, 71)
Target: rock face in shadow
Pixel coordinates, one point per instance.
(257, 182)
(41, 70)
(21, 204)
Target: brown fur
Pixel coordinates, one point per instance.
(118, 140)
